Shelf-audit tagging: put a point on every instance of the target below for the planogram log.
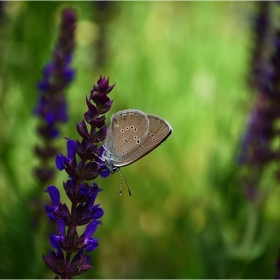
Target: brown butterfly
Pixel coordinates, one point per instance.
(132, 135)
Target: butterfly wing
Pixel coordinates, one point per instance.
(127, 131)
(159, 130)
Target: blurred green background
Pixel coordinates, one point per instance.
(185, 61)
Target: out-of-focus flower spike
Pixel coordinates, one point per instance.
(51, 108)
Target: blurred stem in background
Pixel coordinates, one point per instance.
(1, 51)
(103, 12)
(2, 95)
(1, 12)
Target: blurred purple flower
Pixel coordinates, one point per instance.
(256, 152)
(51, 108)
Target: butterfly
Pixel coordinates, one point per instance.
(132, 135)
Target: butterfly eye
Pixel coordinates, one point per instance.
(127, 128)
(125, 140)
(123, 153)
(154, 139)
(132, 127)
(135, 129)
(140, 146)
(135, 137)
(138, 141)
(122, 130)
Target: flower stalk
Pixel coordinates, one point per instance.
(84, 210)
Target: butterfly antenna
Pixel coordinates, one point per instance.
(120, 191)
(125, 182)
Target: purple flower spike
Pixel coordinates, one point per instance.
(82, 163)
(256, 150)
(51, 107)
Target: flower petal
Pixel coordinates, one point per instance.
(54, 195)
(90, 229)
(104, 171)
(93, 243)
(71, 148)
(61, 227)
(59, 161)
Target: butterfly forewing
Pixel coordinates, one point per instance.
(128, 129)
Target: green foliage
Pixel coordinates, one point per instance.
(184, 61)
